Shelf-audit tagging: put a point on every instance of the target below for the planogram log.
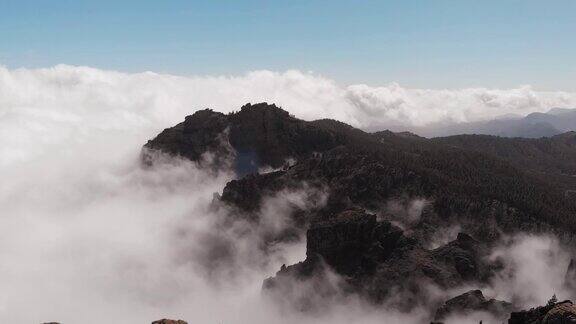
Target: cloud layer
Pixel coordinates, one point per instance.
(88, 236)
(43, 107)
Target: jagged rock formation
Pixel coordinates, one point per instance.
(258, 135)
(473, 301)
(377, 259)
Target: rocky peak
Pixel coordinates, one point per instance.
(262, 111)
(258, 135)
(200, 133)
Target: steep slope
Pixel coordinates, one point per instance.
(377, 260)
(365, 170)
(549, 158)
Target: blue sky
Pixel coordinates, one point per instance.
(418, 43)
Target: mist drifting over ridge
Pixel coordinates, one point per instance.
(51, 104)
(84, 222)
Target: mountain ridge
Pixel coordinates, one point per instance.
(356, 233)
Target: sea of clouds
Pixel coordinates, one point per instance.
(90, 236)
(40, 108)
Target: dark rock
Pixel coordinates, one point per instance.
(352, 242)
(376, 258)
(473, 301)
(553, 313)
(570, 277)
(365, 170)
(561, 313)
(200, 133)
(547, 157)
(169, 321)
(464, 253)
(258, 135)
(470, 181)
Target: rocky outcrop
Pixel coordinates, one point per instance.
(257, 136)
(353, 242)
(169, 321)
(375, 258)
(553, 313)
(201, 133)
(473, 301)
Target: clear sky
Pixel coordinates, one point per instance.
(417, 43)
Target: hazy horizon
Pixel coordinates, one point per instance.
(419, 44)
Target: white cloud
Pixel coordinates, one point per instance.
(534, 270)
(42, 107)
(87, 236)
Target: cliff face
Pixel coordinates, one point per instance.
(377, 260)
(375, 249)
(198, 134)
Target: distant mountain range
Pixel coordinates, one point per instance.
(535, 125)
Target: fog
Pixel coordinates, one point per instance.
(534, 270)
(91, 236)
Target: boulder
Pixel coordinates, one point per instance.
(473, 301)
(553, 313)
(169, 321)
(561, 313)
